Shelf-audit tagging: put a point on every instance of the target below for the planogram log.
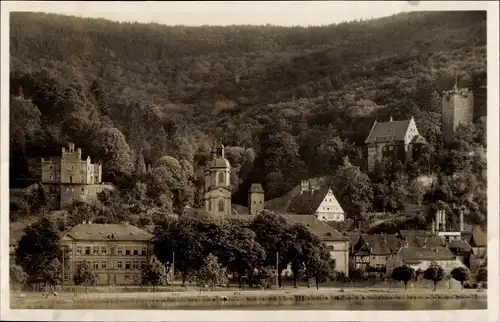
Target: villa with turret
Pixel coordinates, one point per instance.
(68, 178)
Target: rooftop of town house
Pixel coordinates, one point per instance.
(418, 254)
(105, 232)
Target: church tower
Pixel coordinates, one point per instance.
(458, 108)
(217, 196)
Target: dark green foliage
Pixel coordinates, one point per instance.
(434, 273)
(403, 274)
(295, 100)
(84, 274)
(461, 274)
(38, 248)
(17, 276)
(482, 274)
(154, 273)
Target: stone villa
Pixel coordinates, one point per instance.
(68, 178)
(393, 140)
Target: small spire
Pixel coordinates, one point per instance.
(390, 119)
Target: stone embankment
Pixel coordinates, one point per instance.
(306, 295)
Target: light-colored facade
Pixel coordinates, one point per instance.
(217, 196)
(329, 209)
(116, 252)
(422, 258)
(318, 201)
(68, 178)
(338, 243)
(71, 169)
(255, 199)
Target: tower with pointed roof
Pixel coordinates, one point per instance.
(255, 199)
(457, 108)
(217, 195)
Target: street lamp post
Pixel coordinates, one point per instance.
(173, 267)
(277, 271)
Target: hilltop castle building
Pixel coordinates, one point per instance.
(68, 178)
(393, 140)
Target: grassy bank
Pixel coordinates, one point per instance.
(305, 295)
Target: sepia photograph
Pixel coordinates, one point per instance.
(250, 156)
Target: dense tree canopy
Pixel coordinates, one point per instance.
(289, 103)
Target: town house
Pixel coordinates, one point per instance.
(117, 252)
(373, 251)
(420, 258)
(317, 201)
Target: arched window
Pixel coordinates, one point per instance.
(221, 205)
(210, 205)
(221, 177)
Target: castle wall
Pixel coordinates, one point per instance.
(85, 193)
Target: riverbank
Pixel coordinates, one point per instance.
(34, 300)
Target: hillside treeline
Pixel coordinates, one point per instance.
(289, 103)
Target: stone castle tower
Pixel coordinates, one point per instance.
(217, 195)
(255, 199)
(458, 108)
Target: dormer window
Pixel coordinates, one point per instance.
(221, 177)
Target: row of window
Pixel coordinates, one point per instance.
(129, 265)
(368, 257)
(103, 250)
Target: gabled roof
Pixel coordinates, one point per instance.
(324, 231)
(418, 139)
(459, 246)
(431, 241)
(381, 244)
(102, 231)
(256, 188)
(418, 254)
(308, 202)
(478, 238)
(388, 131)
(353, 239)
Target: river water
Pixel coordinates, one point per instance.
(366, 305)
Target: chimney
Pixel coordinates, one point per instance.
(462, 228)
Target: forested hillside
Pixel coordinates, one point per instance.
(289, 103)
